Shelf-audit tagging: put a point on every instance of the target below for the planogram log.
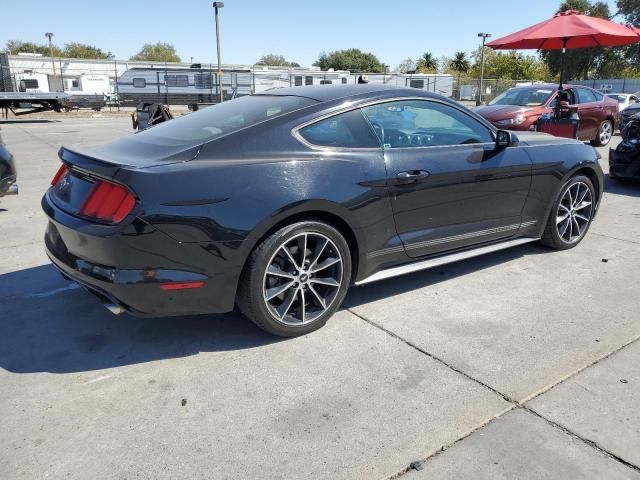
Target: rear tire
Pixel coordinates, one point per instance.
(295, 279)
(605, 132)
(571, 214)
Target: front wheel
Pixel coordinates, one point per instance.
(296, 279)
(605, 132)
(571, 214)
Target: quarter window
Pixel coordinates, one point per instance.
(139, 83)
(421, 123)
(347, 130)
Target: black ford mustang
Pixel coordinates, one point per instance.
(278, 202)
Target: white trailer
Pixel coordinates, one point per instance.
(88, 84)
(28, 82)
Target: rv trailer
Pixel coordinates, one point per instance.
(193, 86)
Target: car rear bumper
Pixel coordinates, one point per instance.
(624, 164)
(142, 270)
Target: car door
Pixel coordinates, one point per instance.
(590, 111)
(449, 184)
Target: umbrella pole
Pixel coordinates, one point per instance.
(564, 51)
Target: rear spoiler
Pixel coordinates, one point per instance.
(89, 164)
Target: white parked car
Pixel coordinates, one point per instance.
(624, 99)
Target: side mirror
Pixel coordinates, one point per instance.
(503, 139)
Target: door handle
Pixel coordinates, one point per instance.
(411, 176)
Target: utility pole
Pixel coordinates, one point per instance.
(484, 38)
(217, 6)
(53, 63)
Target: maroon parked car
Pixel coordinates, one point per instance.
(519, 109)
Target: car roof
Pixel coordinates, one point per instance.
(326, 93)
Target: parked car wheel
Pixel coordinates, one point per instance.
(571, 214)
(605, 132)
(296, 279)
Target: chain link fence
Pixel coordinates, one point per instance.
(611, 85)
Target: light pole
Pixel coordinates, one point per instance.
(53, 64)
(484, 38)
(216, 7)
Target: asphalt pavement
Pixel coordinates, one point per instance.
(519, 364)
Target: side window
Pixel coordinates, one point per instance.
(598, 96)
(297, 80)
(325, 82)
(30, 83)
(203, 80)
(176, 80)
(348, 130)
(139, 83)
(422, 123)
(344, 80)
(308, 80)
(416, 83)
(586, 96)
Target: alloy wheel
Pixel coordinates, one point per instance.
(303, 278)
(574, 212)
(605, 132)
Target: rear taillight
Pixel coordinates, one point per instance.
(61, 171)
(108, 202)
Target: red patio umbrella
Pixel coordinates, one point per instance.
(569, 29)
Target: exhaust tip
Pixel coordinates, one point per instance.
(13, 189)
(113, 308)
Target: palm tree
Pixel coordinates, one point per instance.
(427, 63)
(459, 64)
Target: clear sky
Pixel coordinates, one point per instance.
(299, 30)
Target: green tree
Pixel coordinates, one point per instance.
(81, 50)
(14, 47)
(352, 59)
(407, 65)
(274, 60)
(630, 11)
(511, 65)
(459, 64)
(427, 63)
(158, 52)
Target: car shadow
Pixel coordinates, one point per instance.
(28, 120)
(630, 188)
(50, 325)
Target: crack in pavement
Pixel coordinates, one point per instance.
(33, 135)
(512, 401)
(614, 238)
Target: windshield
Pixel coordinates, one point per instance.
(213, 122)
(524, 97)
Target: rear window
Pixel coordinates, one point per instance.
(213, 122)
